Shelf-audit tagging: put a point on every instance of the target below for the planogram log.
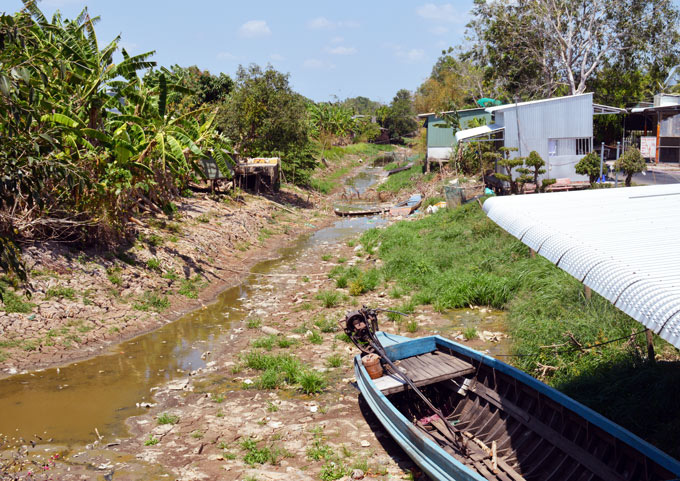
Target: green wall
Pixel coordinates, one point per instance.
(443, 137)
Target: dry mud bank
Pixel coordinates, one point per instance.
(84, 301)
(221, 423)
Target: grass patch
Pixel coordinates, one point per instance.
(329, 298)
(153, 264)
(458, 257)
(270, 454)
(13, 302)
(315, 338)
(335, 360)
(189, 287)
(60, 292)
(151, 441)
(280, 369)
(152, 301)
(406, 179)
(167, 418)
(326, 325)
(253, 323)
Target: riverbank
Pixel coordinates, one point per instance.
(83, 301)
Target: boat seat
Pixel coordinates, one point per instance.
(424, 369)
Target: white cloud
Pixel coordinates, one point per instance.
(316, 64)
(410, 55)
(441, 13)
(320, 23)
(415, 54)
(254, 28)
(337, 39)
(439, 30)
(226, 56)
(340, 50)
(277, 57)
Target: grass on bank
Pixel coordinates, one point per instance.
(327, 179)
(406, 179)
(456, 258)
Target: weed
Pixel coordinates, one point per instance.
(229, 455)
(13, 302)
(218, 398)
(269, 454)
(189, 287)
(315, 338)
(412, 326)
(197, 434)
(351, 243)
(305, 279)
(153, 264)
(113, 330)
(311, 382)
(167, 418)
(335, 360)
(271, 407)
(319, 450)
(113, 274)
(284, 342)
(470, 333)
(341, 260)
(265, 342)
(341, 282)
(332, 471)
(203, 218)
(154, 240)
(396, 293)
(329, 298)
(306, 306)
(60, 292)
(343, 337)
(170, 274)
(151, 301)
(326, 257)
(347, 453)
(253, 323)
(151, 441)
(326, 325)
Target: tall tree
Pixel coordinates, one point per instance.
(543, 47)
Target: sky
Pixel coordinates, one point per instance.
(332, 50)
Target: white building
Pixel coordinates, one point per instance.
(560, 129)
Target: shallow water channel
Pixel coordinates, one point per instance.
(68, 403)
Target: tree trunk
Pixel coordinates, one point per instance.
(629, 177)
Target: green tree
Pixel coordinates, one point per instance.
(329, 122)
(399, 119)
(589, 165)
(534, 167)
(508, 163)
(631, 162)
(263, 116)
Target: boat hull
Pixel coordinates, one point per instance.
(441, 465)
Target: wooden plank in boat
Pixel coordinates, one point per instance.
(424, 369)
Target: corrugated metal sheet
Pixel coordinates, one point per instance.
(622, 243)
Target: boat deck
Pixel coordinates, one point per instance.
(424, 369)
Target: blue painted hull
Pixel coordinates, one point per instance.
(429, 456)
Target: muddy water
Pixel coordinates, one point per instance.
(68, 403)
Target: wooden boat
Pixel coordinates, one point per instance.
(400, 169)
(408, 206)
(357, 213)
(403, 208)
(491, 421)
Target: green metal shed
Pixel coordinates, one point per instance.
(440, 140)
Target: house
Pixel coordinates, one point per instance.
(655, 128)
(440, 139)
(560, 129)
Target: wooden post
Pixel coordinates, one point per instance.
(588, 292)
(658, 137)
(532, 253)
(651, 357)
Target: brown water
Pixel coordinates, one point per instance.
(68, 403)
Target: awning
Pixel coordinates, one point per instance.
(599, 109)
(625, 249)
(474, 132)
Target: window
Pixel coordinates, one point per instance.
(583, 146)
(559, 147)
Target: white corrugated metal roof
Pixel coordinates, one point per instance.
(477, 131)
(622, 243)
(532, 102)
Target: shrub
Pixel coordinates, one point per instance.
(589, 165)
(631, 163)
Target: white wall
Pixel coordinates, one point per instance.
(566, 117)
(439, 153)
